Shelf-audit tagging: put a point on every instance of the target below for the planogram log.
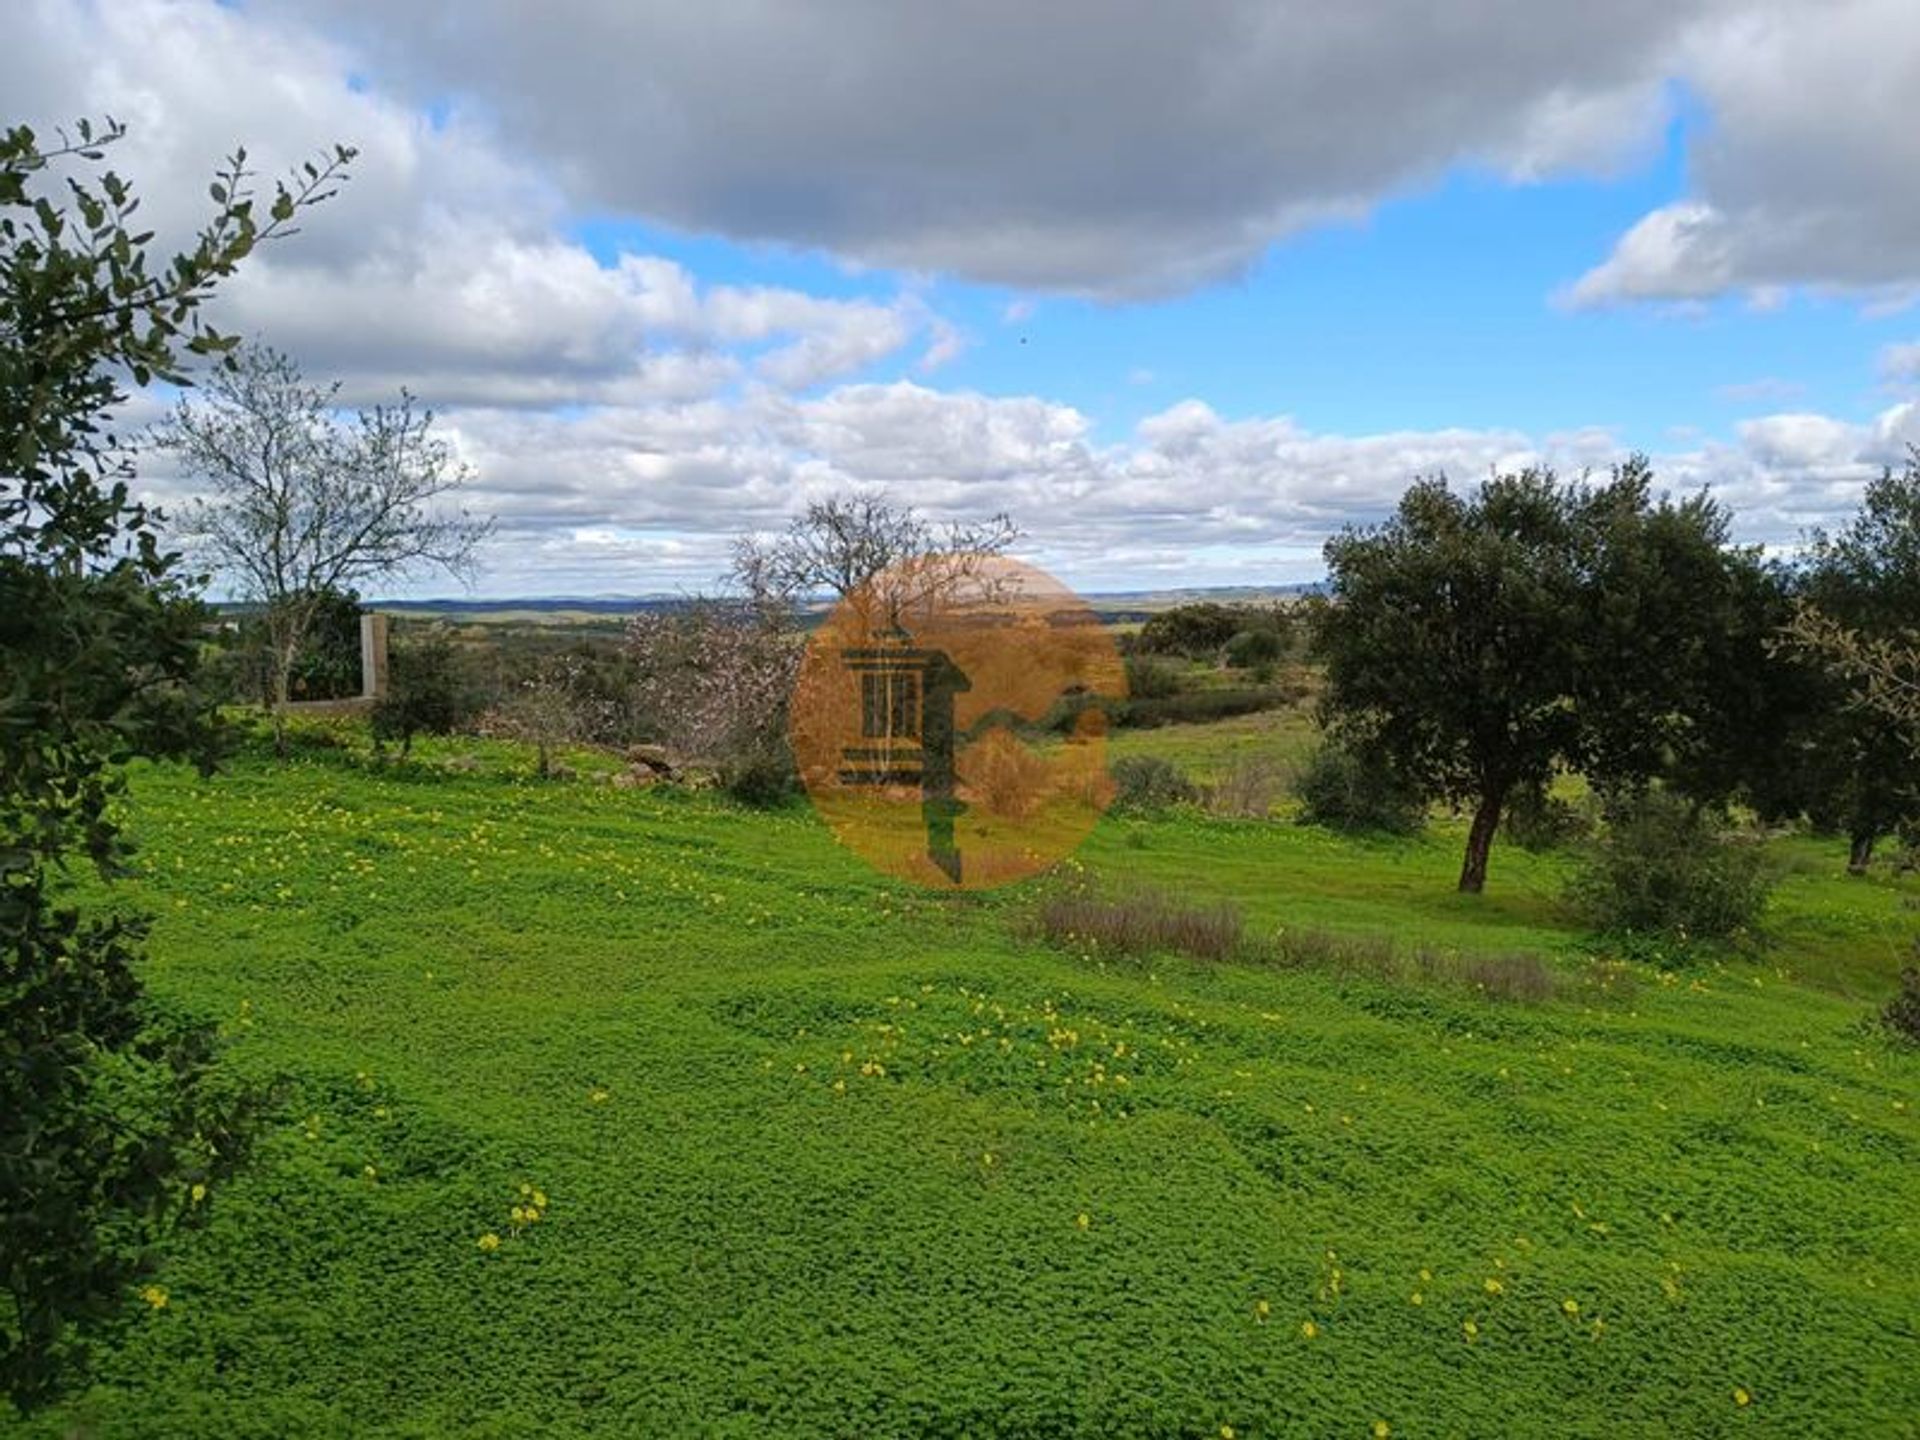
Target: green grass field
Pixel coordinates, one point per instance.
(818, 1154)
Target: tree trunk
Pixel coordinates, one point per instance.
(1860, 854)
(282, 685)
(1486, 820)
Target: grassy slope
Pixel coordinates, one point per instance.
(848, 1133)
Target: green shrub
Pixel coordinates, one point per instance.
(1151, 678)
(1252, 648)
(1539, 821)
(762, 777)
(1902, 1013)
(1146, 782)
(1195, 631)
(1663, 867)
(425, 691)
(1345, 790)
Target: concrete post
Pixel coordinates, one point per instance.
(373, 656)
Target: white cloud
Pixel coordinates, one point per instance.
(443, 264)
(626, 415)
(1804, 174)
(646, 499)
(1900, 364)
(1067, 146)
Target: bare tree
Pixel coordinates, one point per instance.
(302, 501)
(857, 543)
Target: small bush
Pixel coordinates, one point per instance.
(1248, 789)
(1344, 790)
(425, 692)
(1144, 922)
(763, 777)
(1538, 821)
(1005, 775)
(1151, 678)
(1662, 867)
(1146, 782)
(1196, 631)
(1251, 648)
(1902, 1013)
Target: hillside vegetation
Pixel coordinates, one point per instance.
(794, 1150)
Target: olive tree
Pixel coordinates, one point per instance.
(1479, 645)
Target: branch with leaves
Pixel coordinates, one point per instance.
(105, 1119)
(1883, 671)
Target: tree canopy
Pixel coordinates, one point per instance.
(103, 1118)
(1479, 644)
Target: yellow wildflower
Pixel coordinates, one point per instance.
(489, 1241)
(1262, 1309)
(156, 1296)
(1308, 1330)
(1571, 1306)
(1741, 1397)
(199, 1193)
(1494, 1287)
(1381, 1430)
(1472, 1330)
(1083, 1220)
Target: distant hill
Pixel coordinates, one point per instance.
(1117, 605)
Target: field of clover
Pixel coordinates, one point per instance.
(606, 1112)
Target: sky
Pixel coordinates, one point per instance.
(1182, 288)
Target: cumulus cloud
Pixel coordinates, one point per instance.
(1080, 145)
(1804, 175)
(646, 499)
(626, 415)
(444, 264)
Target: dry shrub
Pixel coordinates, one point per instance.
(1004, 775)
(1144, 922)
(1517, 976)
(1150, 922)
(1248, 789)
(1521, 977)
